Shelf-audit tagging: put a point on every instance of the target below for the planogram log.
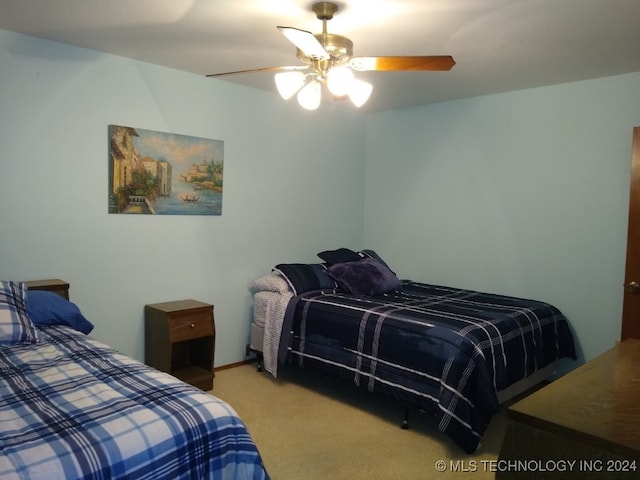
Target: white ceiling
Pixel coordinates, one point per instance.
(498, 45)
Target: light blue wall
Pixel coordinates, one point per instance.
(524, 193)
(289, 192)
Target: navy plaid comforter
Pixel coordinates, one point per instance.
(443, 350)
(71, 407)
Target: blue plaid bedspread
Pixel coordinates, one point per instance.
(71, 408)
(443, 350)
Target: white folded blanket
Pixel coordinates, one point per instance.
(260, 302)
(269, 307)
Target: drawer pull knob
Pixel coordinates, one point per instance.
(193, 325)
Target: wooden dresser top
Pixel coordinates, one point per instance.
(597, 403)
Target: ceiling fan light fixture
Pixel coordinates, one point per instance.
(329, 59)
(288, 83)
(359, 92)
(339, 80)
(310, 95)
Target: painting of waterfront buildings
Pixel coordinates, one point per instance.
(159, 173)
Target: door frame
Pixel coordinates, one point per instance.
(631, 298)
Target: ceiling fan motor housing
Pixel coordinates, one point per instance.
(339, 48)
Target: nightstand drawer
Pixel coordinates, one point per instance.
(190, 326)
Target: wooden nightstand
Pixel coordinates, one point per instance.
(180, 340)
(54, 285)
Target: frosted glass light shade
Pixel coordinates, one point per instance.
(288, 83)
(339, 80)
(359, 92)
(310, 95)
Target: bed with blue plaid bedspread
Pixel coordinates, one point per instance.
(443, 350)
(72, 407)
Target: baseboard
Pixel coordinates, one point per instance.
(236, 364)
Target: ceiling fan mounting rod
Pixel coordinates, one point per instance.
(324, 11)
(340, 48)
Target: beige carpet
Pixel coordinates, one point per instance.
(311, 428)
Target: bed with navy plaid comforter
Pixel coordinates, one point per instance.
(71, 407)
(443, 350)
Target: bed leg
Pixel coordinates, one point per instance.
(259, 368)
(405, 419)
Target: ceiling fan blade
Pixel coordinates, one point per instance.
(306, 42)
(385, 64)
(258, 70)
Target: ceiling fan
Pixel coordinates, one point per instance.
(328, 59)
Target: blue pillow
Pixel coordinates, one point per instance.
(365, 277)
(303, 277)
(16, 328)
(48, 308)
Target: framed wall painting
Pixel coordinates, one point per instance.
(159, 173)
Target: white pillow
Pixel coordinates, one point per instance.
(271, 283)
